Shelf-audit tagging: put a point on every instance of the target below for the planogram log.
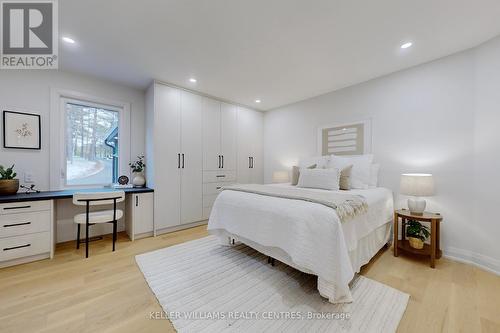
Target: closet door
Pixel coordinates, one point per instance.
(250, 146)
(244, 146)
(167, 150)
(211, 134)
(257, 147)
(191, 158)
(229, 128)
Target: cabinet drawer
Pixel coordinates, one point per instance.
(24, 207)
(24, 246)
(209, 199)
(214, 188)
(206, 212)
(219, 176)
(24, 223)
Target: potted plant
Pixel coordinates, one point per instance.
(138, 167)
(417, 233)
(8, 185)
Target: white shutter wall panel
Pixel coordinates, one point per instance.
(343, 140)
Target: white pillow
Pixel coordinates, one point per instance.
(361, 170)
(326, 179)
(374, 169)
(320, 161)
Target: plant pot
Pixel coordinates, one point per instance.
(138, 179)
(9, 186)
(416, 243)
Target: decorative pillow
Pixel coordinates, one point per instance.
(360, 176)
(326, 179)
(374, 169)
(320, 161)
(296, 173)
(345, 178)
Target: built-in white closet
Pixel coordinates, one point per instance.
(250, 145)
(195, 146)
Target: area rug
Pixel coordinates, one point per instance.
(205, 287)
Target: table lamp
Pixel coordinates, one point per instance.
(417, 185)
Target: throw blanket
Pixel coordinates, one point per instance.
(346, 205)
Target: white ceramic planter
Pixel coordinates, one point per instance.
(138, 179)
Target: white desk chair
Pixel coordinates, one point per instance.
(103, 216)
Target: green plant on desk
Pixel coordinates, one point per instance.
(7, 174)
(8, 183)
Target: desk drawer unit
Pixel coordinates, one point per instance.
(25, 231)
(24, 207)
(24, 246)
(24, 223)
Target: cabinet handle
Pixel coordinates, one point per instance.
(183, 161)
(136, 200)
(221, 176)
(249, 162)
(222, 161)
(219, 161)
(218, 187)
(178, 161)
(16, 224)
(18, 207)
(252, 162)
(16, 247)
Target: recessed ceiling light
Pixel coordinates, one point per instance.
(68, 40)
(406, 45)
(193, 80)
(257, 101)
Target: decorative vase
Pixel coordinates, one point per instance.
(9, 186)
(138, 180)
(416, 243)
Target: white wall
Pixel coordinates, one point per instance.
(29, 91)
(441, 117)
(485, 224)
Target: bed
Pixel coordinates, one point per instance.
(306, 235)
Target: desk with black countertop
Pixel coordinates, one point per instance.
(28, 223)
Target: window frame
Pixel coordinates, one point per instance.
(58, 137)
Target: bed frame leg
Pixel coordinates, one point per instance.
(270, 261)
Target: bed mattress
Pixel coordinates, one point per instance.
(305, 235)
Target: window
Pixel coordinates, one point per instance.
(91, 144)
(89, 140)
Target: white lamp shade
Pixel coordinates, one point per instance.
(417, 184)
(280, 177)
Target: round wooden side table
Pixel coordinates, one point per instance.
(402, 245)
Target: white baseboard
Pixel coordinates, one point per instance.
(468, 257)
(180, 227)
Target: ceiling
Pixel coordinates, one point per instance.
(279, 51)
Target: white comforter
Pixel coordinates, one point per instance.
(310, 234)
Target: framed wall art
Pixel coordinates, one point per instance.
(345, 139)
(21, 130)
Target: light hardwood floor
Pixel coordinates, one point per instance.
(107, 292)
